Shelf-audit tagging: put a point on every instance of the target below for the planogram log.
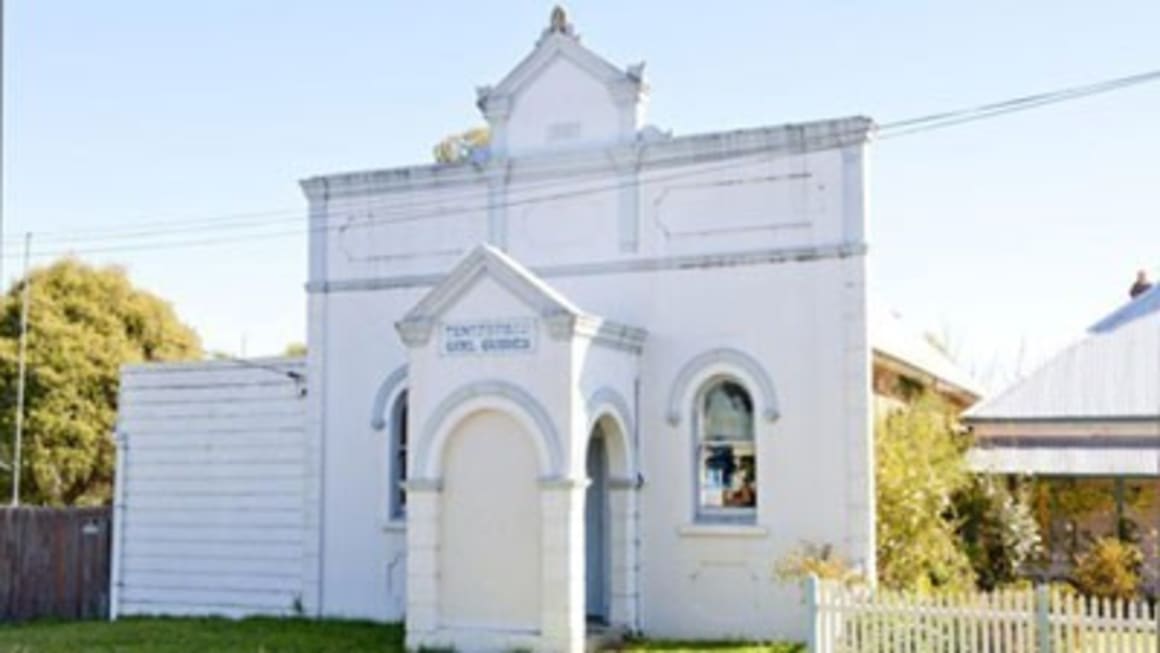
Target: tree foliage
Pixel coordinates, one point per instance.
(920, 467)
(998, 529)
(84, 323)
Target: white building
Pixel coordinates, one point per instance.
(595, 372)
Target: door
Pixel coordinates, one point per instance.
(596, 530)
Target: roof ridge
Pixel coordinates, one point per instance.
(1140, 306)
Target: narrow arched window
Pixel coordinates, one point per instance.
(397, 499)
(726, 452)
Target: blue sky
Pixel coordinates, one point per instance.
(1009, 236)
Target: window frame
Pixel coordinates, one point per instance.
(703, 514)
(398, 443)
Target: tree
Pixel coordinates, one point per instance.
(459, 147)
(84, 323)
(920, 467)
(295, 350)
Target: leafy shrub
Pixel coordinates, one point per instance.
(1111, 569)
(920, 467)
(820, 561)
(998, 529)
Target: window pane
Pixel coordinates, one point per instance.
(398, 471)
(728, 476)
(728, 413)
(403, 423)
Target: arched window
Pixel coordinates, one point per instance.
(726, 453)
(397, 496)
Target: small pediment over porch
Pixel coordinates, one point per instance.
(490, 284)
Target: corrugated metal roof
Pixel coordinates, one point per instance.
(1113, 372)
(892, 336)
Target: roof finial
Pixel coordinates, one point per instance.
(558, 22)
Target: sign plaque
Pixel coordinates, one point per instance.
(489, 337)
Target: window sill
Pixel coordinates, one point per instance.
(395, 526)
(722, 530)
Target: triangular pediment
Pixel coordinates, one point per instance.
(551, 48)
(559, 42)
(485, 266)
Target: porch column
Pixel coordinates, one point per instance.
(422, 562)
(622, 509)
(1121, 530)
(562, 595)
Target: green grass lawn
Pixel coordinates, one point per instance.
(159, 635)
(258, 635)
(720, 647)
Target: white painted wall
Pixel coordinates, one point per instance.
(760, 256)
(211, 478)
(238, 496)
(566, 107)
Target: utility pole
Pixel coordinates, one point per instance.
(22, 369)
(3, 465)
(1, 141)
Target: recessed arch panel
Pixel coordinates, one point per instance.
(384, 395)
(722, 358)
(494, 395)
(607, 402)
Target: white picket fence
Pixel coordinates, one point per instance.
(863, 620)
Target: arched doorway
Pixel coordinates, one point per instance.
(610, 523)
(596, 530)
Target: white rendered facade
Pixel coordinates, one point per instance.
(636, 269)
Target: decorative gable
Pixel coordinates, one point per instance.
(562, 95)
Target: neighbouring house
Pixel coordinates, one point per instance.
(907, 363)
(1085, 426)
(594, 373)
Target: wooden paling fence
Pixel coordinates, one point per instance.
(54, 562)
(1041, 620)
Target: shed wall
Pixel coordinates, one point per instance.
(211, 489)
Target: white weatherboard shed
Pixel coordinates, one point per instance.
(595, 372)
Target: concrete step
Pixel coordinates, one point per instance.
(603, 638)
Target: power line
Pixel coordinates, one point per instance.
(887, 130)
(388, 207)
(295, 214)
(272, 216)
(1024, 103)
(438, 205)
(457, 212)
